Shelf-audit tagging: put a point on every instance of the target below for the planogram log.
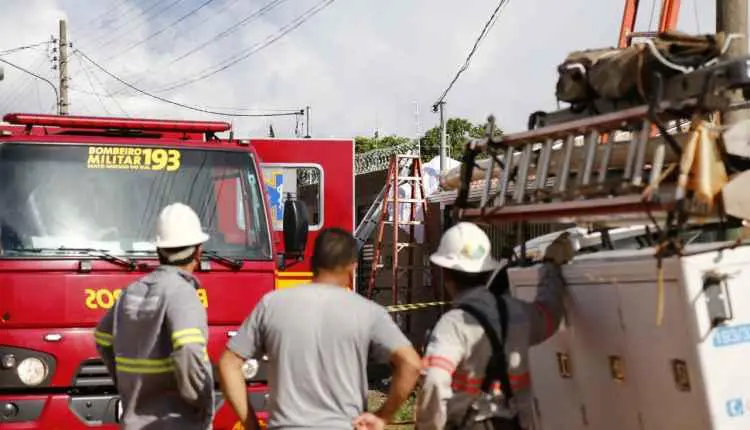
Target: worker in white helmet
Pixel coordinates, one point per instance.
(153, 340)
(466, 384)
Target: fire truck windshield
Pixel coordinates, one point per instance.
(108, 197)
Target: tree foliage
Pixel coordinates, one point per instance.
(458, 133)
(364, 143)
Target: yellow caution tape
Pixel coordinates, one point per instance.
(413, 306)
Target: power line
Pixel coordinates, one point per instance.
(112, 11)
(106, 42)
(21, 48)
(242, 55)
(163, 29)
(258, 13)
(182, 105)
(225, 7)
(54, 88)
(18, 91)
(91, 85)
(485, 30)
(109, 94)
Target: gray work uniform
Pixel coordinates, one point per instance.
(458, 351)
(153, 341)
(317, 339)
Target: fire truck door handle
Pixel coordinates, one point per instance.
(231, 333)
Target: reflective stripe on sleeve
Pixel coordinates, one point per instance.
(102, 339)
(143, 365)
(439, 362)
(187, 336)
(463, 383)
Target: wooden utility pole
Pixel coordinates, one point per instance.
(63, 103)
(443, 137)
(307, 122)
(731, 18)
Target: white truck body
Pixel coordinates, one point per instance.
(610, 366)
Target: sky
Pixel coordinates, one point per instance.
(361, 65)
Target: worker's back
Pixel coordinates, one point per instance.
(144, 340)
(317, 338)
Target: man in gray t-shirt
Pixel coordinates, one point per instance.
(318, 338)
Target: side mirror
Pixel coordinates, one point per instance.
(296, 226)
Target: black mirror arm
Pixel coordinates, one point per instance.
(285, 260)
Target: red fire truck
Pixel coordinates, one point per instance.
(79, 197)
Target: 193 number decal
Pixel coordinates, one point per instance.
(103, 298)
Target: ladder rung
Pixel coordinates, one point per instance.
(564, 168)
(640, 156)
(542, 169)
(592, 139)
(406, 222)
(508, 160)
(406, 200)
(604, 165)
(522, 174)
(410, 156)
(409, 178)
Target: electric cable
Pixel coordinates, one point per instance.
(267, 7)
(21, 48)
(246, 20)
(162, 30)
(106, 42)
(242, 55)
(91, 84)
(115, 18)
(179, 104)
(29, 72)
(485, 30)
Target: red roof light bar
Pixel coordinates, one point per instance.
(93, 122)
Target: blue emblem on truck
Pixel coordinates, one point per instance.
(731, 335)
(275, 190)
(735, 407)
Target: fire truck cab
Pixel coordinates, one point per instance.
(79, 200)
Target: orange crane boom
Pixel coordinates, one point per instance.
(670, 10)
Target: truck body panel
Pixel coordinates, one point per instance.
(296, 166)
(611, 366)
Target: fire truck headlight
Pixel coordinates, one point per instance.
(32, 371)
(250, 368)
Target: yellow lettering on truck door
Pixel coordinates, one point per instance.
(103, 298)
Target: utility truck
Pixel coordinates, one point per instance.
(656, 334)
(79, 197)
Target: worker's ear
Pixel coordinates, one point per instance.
(198, 255)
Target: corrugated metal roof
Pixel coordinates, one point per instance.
(477, 188)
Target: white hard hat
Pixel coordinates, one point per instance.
(465, 248)
(179, 226)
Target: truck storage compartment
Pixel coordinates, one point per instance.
(612, 367)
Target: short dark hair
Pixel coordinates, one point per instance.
(334, 248)
(466, 280)
(166, 255)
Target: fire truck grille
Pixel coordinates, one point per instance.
(92, 373)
